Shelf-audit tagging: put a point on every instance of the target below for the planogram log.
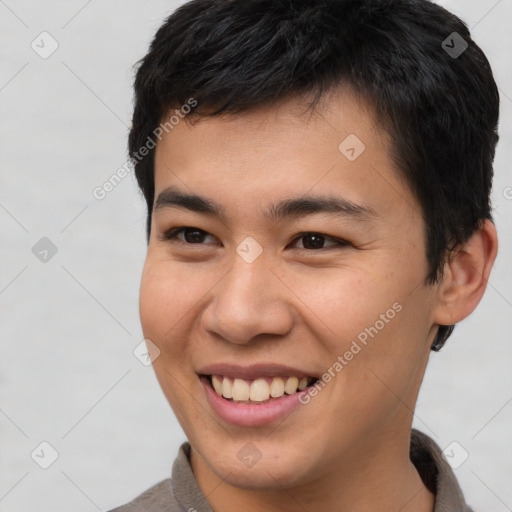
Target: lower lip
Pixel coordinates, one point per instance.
(247, 415)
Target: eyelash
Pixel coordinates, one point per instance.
(172, 234)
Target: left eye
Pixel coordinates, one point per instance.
(317, 240)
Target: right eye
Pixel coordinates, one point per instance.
(191, 235)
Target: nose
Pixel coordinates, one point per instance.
(250, 300)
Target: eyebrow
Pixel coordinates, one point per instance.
(297, 207)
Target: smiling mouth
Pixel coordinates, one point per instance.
(258, 391)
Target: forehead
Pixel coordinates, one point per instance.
(289, 122)
(282, 152)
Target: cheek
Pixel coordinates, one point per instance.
(341, 302)
(172, 299)
(167, 299)
(370, 318)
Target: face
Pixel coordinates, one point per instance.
(304, 258)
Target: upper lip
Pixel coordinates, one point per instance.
(253, 371)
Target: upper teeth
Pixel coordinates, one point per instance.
(257, 390)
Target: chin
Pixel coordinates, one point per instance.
(273, 471)
(262, 478)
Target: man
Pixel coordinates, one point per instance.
(317, 175)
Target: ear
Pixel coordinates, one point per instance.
(465, 276)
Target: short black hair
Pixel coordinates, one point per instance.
(430, 85)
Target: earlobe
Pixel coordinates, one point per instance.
(465, 276)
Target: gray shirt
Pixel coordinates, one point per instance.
(180, 493)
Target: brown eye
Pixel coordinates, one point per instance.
(191, 235)
(315, 241)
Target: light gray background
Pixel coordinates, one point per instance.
(69, 326)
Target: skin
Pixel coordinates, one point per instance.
(201, 303)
